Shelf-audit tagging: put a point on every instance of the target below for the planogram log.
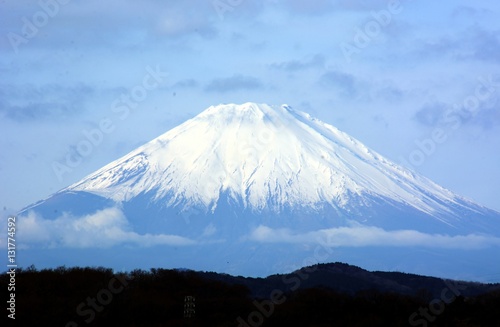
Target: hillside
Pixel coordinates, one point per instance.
(326, 294)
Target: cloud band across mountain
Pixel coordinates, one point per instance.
(109, 227)
(361, 235)
(102, 229)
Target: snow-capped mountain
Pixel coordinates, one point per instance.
(254, 177)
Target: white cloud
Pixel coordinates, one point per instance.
(103, 228)
(360, 235)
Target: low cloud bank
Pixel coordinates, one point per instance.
(104, 228)
(360, 235)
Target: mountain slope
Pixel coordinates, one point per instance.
(257, 180)
(267, 158)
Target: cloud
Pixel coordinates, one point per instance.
(360, 235)
(464, 11)
(234, 83)
(104, 228)
(344, 83)
(485, 45)
(296, 65)
(470, 44)
(431, 114)
(186, 83)
(120, 24)
(471, 111)
(489, 117)
(309, 7)
(319, 7)
(362, 5)
(179, 19)
(28, 102)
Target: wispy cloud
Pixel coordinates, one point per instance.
(473, 43)
(131, 24)
(29, 102)
(186, 83)
(234, 83)
(431, 114)
(344, 83)
(104, 228)
(321, 7)
(296, 65)
(309, 7)
(360, 235)
(439, 114)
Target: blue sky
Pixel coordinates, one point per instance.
(84, 82)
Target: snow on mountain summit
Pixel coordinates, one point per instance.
(254, 189)
(267, 157)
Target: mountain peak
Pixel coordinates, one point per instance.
(244, 107)
(248, 111)
(267, 158)
(253, 188)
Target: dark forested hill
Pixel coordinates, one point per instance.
(321, 295)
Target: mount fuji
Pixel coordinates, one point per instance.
(255, 189)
